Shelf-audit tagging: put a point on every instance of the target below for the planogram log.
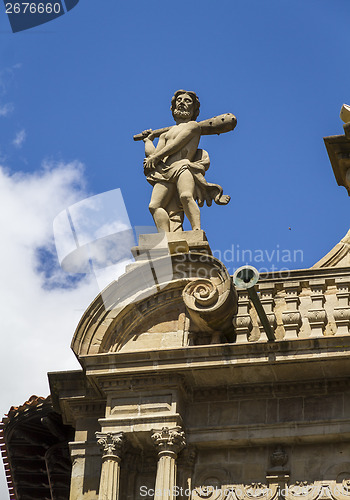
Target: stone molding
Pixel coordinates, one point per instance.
(113, 384)
(243, 435)
(107, 331)
(196, 362)
(88, 408)
(288, 389)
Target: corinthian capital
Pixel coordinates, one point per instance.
(111, 443)
(169, 440)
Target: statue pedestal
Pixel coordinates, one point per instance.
(160, 244)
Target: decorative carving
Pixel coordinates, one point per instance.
(301, 489)
(342, 312)
(111, 443)
(279, 457)
(207, 493)
(212, 301)
(243, 322)
(319, 490)
(253, 491)
(317, 319)
(292, 317)
(268, 303)
(317, 315)
(204, 292)
(169, 441)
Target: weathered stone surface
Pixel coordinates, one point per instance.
(339, 256)
(338, 148)
(149, 367)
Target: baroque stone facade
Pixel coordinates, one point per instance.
(182, 395)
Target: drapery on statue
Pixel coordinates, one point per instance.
(176, 167)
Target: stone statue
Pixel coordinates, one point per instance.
(176, 167)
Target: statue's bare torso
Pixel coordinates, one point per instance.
(188, 145)
(174, 147)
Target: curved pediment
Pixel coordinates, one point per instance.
(152, 304)
(339, 256)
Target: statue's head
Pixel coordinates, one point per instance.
(185, 104)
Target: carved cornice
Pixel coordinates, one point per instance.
(112, 444)
(169, 441)
(114, 384)
(87, 409)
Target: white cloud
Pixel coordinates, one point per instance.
(6, 109)
(19, 138)
(38, 314)
(7, 76)
(37, 322)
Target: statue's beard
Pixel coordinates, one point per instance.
(180, 113)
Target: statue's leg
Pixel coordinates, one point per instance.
(186, 190)
(161, 195)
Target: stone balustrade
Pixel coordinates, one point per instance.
(311, 306)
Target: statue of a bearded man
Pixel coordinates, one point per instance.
(176, 168)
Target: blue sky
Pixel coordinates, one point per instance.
(74, 91)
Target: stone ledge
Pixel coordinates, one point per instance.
(264, 434)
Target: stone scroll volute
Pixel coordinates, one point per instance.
(211, 303)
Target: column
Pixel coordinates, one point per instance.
(112, 446)
(169, 442)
